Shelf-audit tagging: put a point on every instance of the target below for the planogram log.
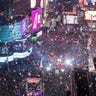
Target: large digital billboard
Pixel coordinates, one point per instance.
(36, 20)
(90, 15)
(88, 3)
(70, 19)
(91, 2)
(40, 3)
(24, 24)
(11, 32)
(37, 3)
(83, 2)
(5, 34)
(16, 31)
(15, 55)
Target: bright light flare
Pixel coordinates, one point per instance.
(50, 65)
(62, 70)
(48, 68)
(68, 61)
(59, 60)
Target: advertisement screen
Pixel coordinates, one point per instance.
(21, 45)
(36, 20)
(37, 3)
(16, 31)
(90, 15)
(88, 3)
(83, 2)
(5, 34)
(70, 19)
(33, 80)
(3, 50)
(15, 55)
(24, 24)
(40, 3)
(11, 32)
(91, 2)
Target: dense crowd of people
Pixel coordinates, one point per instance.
(59, 41)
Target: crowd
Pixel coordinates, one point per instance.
(58, 41)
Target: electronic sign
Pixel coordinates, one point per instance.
(11, 32)
(70, 19)
(89, 3)
(36, 20)
(90, 15)
(24, 25)
(37, 3)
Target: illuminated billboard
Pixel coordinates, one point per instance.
(24, 24)
(11, 32)
(91, 2)
(90, 15)
(83, 2)
(16, 31)
(88, 3)
(15, 55)
(5, 34)
(36, 20)
(70, 19)
(37, 3)
(33, 80)
(40, 3)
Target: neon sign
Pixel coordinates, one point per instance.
(36, 20)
